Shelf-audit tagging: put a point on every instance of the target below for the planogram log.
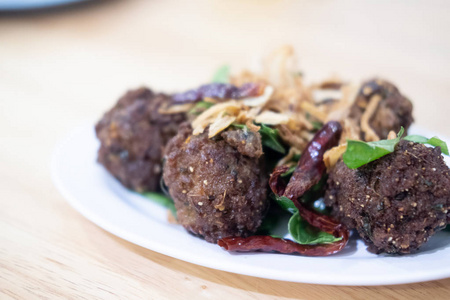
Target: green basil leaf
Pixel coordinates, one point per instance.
(305, 234)
(161, 200)
(313, 198)
(437, 142)
(289, 172)
(276, 236)
(268, 224)
(388, 145)
(359, 153)
(285, 203)
(222, 75)
(315, 192)
(317, 125)
(270, 138)
(434, 141)
(416, 139)
(240, 126)
(200, 107)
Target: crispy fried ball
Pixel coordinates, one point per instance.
(396, 202)
(132, 137)
(393, 111)
(219, 184)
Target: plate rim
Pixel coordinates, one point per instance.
(232, 268)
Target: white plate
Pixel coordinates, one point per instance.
(101, 199)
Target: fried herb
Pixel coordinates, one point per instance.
(316, 125)
(301, 231)
(270, 138)
(305, 234)
(161, 200)
(222, 75)
(359, 153)
(289, 172)
(314, 197)
(240, 126)
(200, 107)
(268, 223)
(285, 203)
(434, 141)
(315, 192)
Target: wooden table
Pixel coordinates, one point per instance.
(60, 67)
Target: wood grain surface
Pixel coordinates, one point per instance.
(66, 65)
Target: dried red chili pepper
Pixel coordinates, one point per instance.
(218, 91)
(272, 244)
(267, 243)
(276, 182)
(309, 171)
(311, 167)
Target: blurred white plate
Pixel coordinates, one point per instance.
(101, 199)
(32, 4)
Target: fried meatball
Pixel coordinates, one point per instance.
(218, 185)
(132, 137)
(246, 142)
(396, 202)
(393, 111)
